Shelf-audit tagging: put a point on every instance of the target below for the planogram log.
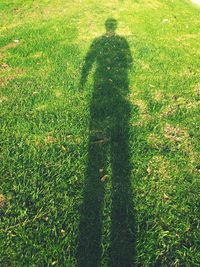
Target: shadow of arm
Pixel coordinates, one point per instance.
(88, 62)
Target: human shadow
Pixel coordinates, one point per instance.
(109, 133)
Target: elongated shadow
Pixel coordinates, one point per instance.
(109, 133)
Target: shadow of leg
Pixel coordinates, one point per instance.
(122, 215)
(90, 228)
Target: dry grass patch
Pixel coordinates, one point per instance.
(178, 103)
(143, 65)
(8, 46)
(41, 107)
(141, 104)
(49, 139)
(8, 73)
(159, 168)
(155, 141)
(2, 200)
(184, 37)
(181, 140)
(175, 134)
(57, 93)
(158, 96)
(3, 99)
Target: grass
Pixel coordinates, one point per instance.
(46, 143)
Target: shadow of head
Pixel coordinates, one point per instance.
(111, 25)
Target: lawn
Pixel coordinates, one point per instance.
(103, 177)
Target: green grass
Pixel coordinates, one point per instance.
(46, 128)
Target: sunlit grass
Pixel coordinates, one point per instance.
(45, 128)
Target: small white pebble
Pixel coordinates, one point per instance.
(165, 20)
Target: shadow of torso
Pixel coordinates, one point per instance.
(113, 60)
